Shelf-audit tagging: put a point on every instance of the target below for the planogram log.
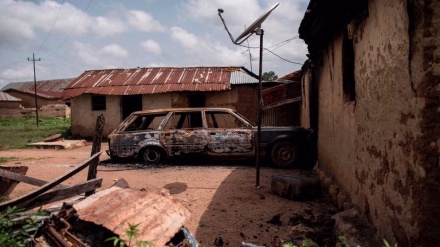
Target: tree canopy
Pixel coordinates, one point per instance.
(269, 76)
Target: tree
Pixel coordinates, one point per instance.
(269, 76)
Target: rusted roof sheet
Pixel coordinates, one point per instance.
(281, 94)
(50, 89)
(159, 217)
(294, 76)
(157, 80)
(7, 97)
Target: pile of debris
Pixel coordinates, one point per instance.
(103, 218)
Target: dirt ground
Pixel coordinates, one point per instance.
(226, 207)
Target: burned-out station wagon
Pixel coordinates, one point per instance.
(154, 135)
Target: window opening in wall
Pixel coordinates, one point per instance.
(349, 83)
(197, 101)
(98, 103)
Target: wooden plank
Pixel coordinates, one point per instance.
(97, 139)
(61, 194)
(23, 178)
(7, 185)
(50, 185)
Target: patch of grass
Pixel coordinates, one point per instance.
(17, 132)
(6, 159)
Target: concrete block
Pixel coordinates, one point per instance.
(296, 187)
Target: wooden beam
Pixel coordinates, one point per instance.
(61, 194)
(50, 185)
(8, 185)
(23, 178)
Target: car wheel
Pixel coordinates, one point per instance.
(152, 156)
(284, 154)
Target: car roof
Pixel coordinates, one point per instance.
(184, 109)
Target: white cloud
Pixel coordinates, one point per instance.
(151, 46)
(114, 50)
(142, 21)
(205, 51)
(19, 21)
(104, 26)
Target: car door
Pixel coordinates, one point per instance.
(227, 133)
(184, 133)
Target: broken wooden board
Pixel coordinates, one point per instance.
(7, 185)
(62, 144)
(22, 178)
(62, 193)
(48, 186)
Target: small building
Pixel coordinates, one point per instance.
(372, 93)
(48, 92)
(48, 97)
(281, 103)
(9, 105)
(118, 92)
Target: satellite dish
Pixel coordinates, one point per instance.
(256, 24)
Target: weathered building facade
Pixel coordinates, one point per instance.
(118, 92)
(48, 91)
(371, 90)
(9, 105)
(47, 96)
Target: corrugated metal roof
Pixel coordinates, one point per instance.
(157, 80)
(7, 97)
(157, 217)
(294, 76)
(51, 89)
(281, 94)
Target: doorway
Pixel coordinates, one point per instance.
(196, 100)
(131, 103)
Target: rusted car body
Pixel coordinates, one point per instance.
(153, 135)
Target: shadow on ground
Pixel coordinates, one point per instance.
(243, 213)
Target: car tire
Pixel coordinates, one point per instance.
(284, 154)
(152, 156)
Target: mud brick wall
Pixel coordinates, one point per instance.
(382, 149)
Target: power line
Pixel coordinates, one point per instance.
(73, 29)
(282, 43)
(47, 36)
(14, 63)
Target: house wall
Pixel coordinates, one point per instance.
(10, 104)
(84, 119)
(304, 112)
(382, 149)
(28, 100)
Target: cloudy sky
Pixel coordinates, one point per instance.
(72, 36)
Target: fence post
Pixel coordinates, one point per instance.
(100, 122)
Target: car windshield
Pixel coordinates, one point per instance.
(247, 120)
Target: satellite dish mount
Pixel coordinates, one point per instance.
(255, 27)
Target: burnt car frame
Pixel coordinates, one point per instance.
(155, 135)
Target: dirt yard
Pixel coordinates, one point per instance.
(226, 208)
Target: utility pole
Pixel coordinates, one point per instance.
(35, 84)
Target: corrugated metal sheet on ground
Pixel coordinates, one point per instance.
(51, 89)
(159, 217)
(157, 80)
(7, 97)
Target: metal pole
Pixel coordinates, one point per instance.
(260, 104)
